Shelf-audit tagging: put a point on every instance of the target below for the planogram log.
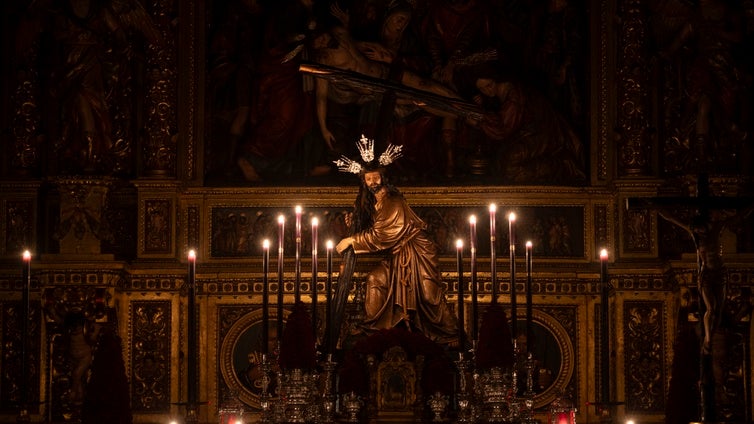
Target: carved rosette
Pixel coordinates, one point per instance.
(160, 146)
(634, 148)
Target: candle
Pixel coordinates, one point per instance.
(529, 338)
(493, 254)
(297, 286)
(328, 291)
(265, 295)
(512, 243)
(315, 224)
(281, 250)
(459, 266)
(191, 330)
(24, 317)
(474, 288)
(604, 332)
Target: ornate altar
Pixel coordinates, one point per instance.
(109, 189)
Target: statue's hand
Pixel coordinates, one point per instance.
(344, 244)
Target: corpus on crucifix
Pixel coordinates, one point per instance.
(705, 217)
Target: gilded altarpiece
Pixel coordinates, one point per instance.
(226, 225)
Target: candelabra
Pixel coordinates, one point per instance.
(265, 398)
(328, 397)
(465, 399)
(297, 394)
(496, 394)
(528, 413)
(437, 404)
(352, 405)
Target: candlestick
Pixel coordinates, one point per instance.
(474, 288)
(529, 338)
(297, 286)
(191, 336)
(604, 332)
(459, 268)
(281, 250)
(493, 253)
(512, 243)
(24, 316)
(328, 295)
(265, 297)
(315, 224)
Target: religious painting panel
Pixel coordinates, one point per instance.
(703, 81)
(555, 231)
(90, 79)
(480, 93)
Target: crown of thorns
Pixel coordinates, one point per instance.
(366, 149)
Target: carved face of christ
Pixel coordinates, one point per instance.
(373, 180)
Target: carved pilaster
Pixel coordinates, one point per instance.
(634, 147)
(151, 361)
(644, 330)
(24, 159)
(18, 215)
(160, 145)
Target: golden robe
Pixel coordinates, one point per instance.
(407, 284)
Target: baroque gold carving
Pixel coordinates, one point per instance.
(644, 356)
(150, 355)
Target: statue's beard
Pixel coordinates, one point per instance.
(376, 188)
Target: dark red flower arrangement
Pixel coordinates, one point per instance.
(297, 348)
(495, 348)
(437, 374)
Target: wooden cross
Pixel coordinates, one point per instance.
(704, 217)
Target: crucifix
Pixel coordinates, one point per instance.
(704, 217)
